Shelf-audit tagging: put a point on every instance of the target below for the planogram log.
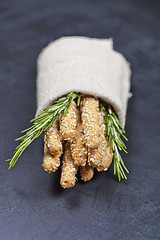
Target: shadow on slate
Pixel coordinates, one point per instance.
(32, 204)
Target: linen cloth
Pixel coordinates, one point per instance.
(86, 65)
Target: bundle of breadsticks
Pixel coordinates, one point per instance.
(74, 75)
(86, 147)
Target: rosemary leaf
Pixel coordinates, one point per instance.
(40, 124)
(113, 133)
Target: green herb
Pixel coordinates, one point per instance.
(78, 100)
(113, 133)
(43, 121)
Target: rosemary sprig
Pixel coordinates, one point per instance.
(113, 133)
(43, 121)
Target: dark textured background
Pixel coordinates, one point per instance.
(32, 205)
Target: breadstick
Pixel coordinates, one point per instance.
(107, 159)
(86, 172)
(69, 169)
(50, 162)
(90, 121)
(78, 148)
(95, 155)
(107, 153)
(68, 125)
(53, 140)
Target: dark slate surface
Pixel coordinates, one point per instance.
(32, 205)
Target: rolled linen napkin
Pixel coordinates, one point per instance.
(85, 65)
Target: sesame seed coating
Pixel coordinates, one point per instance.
(100, 157)
(86, 173)
(78, 148)
(50, 162)
(90, 121)
(95, 155)
(53, 140)
(82, 130)
(69, 169)
(68, 124)
(107, 153)
(106, 161)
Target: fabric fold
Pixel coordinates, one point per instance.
(86, 65)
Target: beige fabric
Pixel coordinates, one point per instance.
(86, 65)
